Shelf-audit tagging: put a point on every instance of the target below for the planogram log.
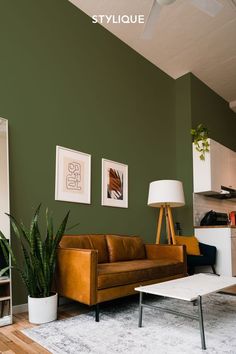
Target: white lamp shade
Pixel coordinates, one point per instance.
(166, 192)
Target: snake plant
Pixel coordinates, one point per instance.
(39, 253)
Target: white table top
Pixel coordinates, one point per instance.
(189, 288)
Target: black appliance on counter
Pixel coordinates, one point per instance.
(213, 218)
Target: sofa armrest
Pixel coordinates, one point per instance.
(76, 274)
(155, 251)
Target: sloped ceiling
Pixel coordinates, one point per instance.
(185, 39)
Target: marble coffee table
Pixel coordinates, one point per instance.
(191, 289)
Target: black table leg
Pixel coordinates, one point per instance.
(97, 309)
(140, 309)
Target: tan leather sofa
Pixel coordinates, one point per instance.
(95, 268)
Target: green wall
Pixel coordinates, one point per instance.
(183, 151)
(214, 112)
(196, 103)
(65, 81)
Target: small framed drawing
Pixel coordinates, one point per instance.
(73, 176)
(114, 184)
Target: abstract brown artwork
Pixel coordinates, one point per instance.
(114, 184)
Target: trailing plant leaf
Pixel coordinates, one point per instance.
(39, 254)
(200, 140)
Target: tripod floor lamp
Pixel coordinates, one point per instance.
(166, 194)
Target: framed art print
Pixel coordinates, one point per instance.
(114, 184)
(73, 176)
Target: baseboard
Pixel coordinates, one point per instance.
(19, 308)
(63, 301)
(24, 307)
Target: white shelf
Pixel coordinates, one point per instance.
(4, 298)
(6, 320)
(4, 280)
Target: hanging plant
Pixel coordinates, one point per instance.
(200, 140)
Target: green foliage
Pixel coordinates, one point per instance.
(39, 255)
(3, 246)
(200, 140)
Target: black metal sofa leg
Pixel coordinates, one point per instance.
(97, 310)
(191, 270)
(213, 269)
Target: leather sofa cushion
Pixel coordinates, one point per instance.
(96, 242)
(124, 248)
(123, 273)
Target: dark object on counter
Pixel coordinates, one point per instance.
(207, 258)
(213, 218)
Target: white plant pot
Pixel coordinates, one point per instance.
(42, 309)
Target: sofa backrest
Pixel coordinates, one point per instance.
(97, 242)
(111, 248)
(125, 248)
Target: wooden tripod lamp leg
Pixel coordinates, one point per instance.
(172, 229)
(158, 237)
(167, 226)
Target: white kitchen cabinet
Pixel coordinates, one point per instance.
(224, 239)
(218, 169)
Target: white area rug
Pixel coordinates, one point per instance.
(162, 333)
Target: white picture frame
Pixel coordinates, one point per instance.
(73, 176)
(114, 184)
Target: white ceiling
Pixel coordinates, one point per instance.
(185, 39)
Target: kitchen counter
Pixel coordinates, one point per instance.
(215, 227)
(223, 237)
